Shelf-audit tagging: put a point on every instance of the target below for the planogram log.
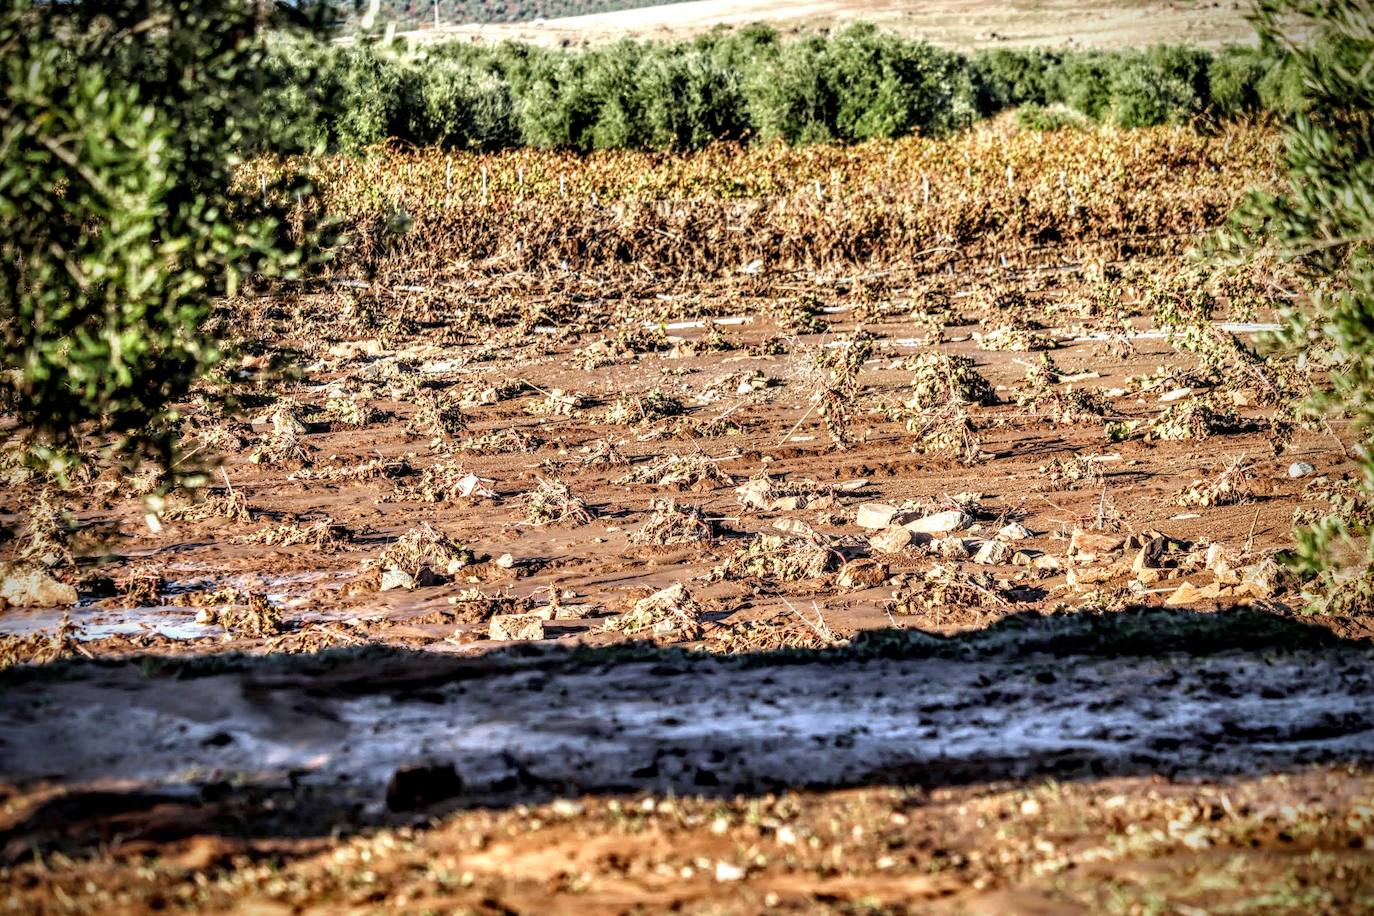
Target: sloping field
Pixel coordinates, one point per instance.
(955, 23)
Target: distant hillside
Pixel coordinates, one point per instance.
(411, 13)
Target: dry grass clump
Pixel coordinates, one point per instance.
(226, 503)
(1230, 487)
(352, 411)
(425, 548)
(713, 340)
(679, 472)
(951, 431)
(801, 315)
(47, 536)
(551, 501)
(654, 405)
(621, 346)
(284, 444)
(508, 441)
(668, 614)
(438, 421)
(251, 616)
(674, 523)
(836, 392)
(942, 380)
(1070, 473)
(375, 469)
(1015, 337)
(1194, 418)
(603, 453)
(472, 606)
(441, 483)
(556, 403)
(321, 535)
(779, 558)
(777, 632)
(763, 493)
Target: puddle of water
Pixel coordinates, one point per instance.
(101, 623)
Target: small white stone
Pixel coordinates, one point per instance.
(1300, 469)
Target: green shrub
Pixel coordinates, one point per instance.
(1038, 117)
(1323, 225)
(117, 225)
(1233, 79)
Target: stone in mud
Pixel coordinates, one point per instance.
(754, 494)
(940, 523)
(891, 540)
(992, 553)
(1300, 469)
(25, 585)
(516, 626)
(862, 574)
(505, 561)
(1094, 542)
(393, 578)
(419, 786)
(875, 516)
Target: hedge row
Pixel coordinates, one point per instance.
(858, 84)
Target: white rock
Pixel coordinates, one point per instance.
(940, 523)
(727, 872)
(891, 540)
(516, 626)
(1014, 532)
(24, 585)
(992, 553)
(1300, 469)
(875, 516)
(396, 578)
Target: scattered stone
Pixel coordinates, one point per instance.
(505, 561)
(24, 585)
(516, 626)
(1089, 575)
(1264, 579)
(875, 516)
(393, 578)
(940, 522)
(1300, 469)
(952, 548)
(992, 553)
(1149, 576)
(1095, 542)
(1013, 532)
(1177, 394)
(1187, 593)
(862, 574)
(416, 787)
(1044, 561)
(1150, 555)
(891, 540)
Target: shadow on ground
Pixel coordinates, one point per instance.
(152, 749)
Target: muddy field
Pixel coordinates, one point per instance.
(619, 568)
